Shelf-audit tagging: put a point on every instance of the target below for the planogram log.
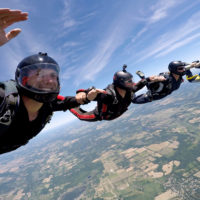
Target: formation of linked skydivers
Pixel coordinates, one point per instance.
(121, 92)
(28, 102)
(31, 83)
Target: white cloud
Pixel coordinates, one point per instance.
(143, 30)
(70, 44)
(174, 38)
(178, 44)
(160, 10)
(163, 10)
(99, 60)
(67, 20)
(114, 36)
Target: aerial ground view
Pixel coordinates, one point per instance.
(151, 152)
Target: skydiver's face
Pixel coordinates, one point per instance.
(43, 79)
(181, 69)
(129, 84)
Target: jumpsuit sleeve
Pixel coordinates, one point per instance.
(105, 98)
(142, 98)
(139, 85)
(192, 78)
(66, 103)
(92, 115)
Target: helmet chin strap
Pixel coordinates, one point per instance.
(121, 91)
(31, 104)
(180, 73)
(176, 76)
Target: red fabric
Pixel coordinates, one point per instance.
(80, 90)
(80, 116)
(59, 97)
(104, 108)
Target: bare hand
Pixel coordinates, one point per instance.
(81, 97)
(197, 65)
(93, 93)
(157, 78)
(7, 18)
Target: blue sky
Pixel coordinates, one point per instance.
(91, 39)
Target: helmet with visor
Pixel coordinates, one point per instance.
(123, 79)
(37, 77)
(177, 67)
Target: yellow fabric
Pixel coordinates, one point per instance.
(195, 77)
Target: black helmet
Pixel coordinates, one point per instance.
(37, 77)
(123, 79)
(175, 65)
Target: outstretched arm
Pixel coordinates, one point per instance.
(143, 82)
(94, 92)
(189, 76)
(7, 18)
(156, 78)
(145, 97)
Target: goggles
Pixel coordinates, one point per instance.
(180, 68)
(129, 83)
(38, 78)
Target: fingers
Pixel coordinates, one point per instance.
(197, 64)
(13, 15)
(81, 97)
(93, 93)
(161, 78)
(157, 78)
(101, 91)
(10, 35)
(11, 20)
(4, 10)
(97, 91)
(8, 17)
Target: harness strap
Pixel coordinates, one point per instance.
(112, 90)
(10, 103)
(103, 110)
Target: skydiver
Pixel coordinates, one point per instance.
(28, 102)
(161, 89)
(115, 99)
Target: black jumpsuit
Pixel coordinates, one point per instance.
(110, 105)
(159, 90)
(21, 130)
